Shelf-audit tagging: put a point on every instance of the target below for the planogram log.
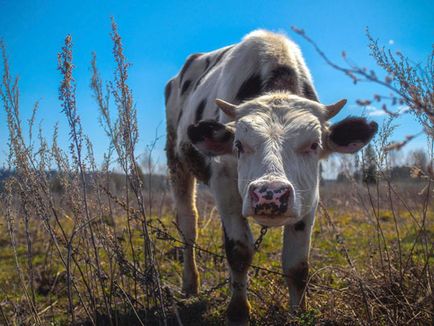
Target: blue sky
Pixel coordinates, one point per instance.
(158, 36)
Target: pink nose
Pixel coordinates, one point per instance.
(270, 198)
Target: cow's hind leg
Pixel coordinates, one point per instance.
(183, 188)
(238, 242)
(186, 219)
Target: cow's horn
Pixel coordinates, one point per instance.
(334, 109)
(226, 107)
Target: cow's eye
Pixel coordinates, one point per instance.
(238, 147)
(314, 146)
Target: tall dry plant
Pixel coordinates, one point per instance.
(123, 135)
(409, 84)
(100, 282)
(397, 287)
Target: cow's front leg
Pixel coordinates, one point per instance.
(238, 240)
(239, 253)
(295, 254)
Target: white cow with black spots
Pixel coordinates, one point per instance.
(246, 121)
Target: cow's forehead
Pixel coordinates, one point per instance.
(281, 118)
(283, 105)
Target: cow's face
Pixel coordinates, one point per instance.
(278, 146)
(278, 141)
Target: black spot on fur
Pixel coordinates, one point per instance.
(298, 276)
(199, 111)
(209, 68)
(167, 91)
(197, 163)
(187, 65)
(250, 88)
(238, 254)
(185, 86)
(207, 61)
(179, 117)
(221, 55)
(174, 164)
(299, 226)
(309, 92)
(282, 78)
(170, 143)
(239, 258)
(217, 113)
(352, 129)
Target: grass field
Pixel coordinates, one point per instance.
(360, 269)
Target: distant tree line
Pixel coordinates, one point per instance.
(116, 182)
(366, 168)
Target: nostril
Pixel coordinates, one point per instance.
(285, 193)
(253, 195)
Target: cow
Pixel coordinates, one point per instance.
(246, 121)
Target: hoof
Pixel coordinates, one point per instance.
(190, 291)
(238, 312)
(236, 323)
(190, 286)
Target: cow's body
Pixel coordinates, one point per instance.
(262, 62)
(266, 78)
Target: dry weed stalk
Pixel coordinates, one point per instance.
(74, 216)
(123, 134)
(410, 84)
(400, 290)
(31, 178)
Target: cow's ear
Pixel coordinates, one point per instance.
(350, 135)
(212, 138)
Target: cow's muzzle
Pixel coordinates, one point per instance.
(270, 198)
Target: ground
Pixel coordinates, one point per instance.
(360, 269)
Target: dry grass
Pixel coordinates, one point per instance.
(357, 274)
(88, 251)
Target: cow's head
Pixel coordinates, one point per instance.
(279, 140)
